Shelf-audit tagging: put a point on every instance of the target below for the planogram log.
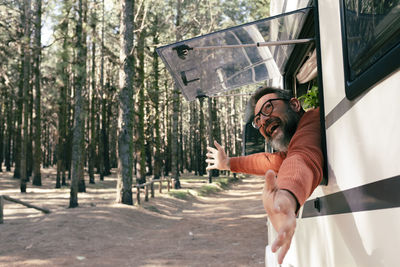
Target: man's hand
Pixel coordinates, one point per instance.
(217, 158)
(280, 206)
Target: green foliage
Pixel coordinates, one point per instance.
(242, 11)
(207, 190)
(310, 99)
(156, 23)
(184, 195)
(225, 183)
(153, 209)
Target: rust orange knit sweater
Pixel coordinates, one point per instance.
(300, 169)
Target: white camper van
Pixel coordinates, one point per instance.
(350, 50)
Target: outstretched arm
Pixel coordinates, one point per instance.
(256, 164)
(217, 158)
(280, 206)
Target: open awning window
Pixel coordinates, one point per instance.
(234, 57)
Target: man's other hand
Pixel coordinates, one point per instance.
(217, 158)
(280, 206)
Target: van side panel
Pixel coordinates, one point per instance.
(331, 53)
(363, 147)
(363, 144)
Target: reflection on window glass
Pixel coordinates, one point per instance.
(220, 70)
(372, 29)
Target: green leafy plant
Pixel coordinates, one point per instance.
(184, 195)
(310, 99)
(206, 190)
(225, 183)
(152, 208)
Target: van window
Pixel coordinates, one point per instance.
(371, 31)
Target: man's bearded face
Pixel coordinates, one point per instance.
(287, 123)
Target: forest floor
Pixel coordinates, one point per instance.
(193, 226)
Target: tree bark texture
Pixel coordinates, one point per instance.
(125, 120)
(175, 112)
(141, 153)
(37, 159)
(62, 70)
(79, 113)
(26, 78)
(2, 124)
(156, 92)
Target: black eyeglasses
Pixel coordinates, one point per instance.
(266, 110)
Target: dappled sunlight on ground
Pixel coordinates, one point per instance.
(225, 228)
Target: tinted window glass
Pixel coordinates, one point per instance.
(372, 29)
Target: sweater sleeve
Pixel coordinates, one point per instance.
(257, 164)
(301, 171)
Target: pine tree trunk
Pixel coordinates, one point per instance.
(2, 121)
(92, 144)
(17, 139)
(25, 99)
(193, 149)
(192, 134)
(181, 142)
(45, 151)
(216, 129)
(69, 123)
(149, 136)
(100, 158)
(210, 133)
(49, 147)
(29, 149)
(175, 113)
(201, 139)
(81, 183)
(37, 178)
(141, 152)
(79, 113)
(174, 144)
(101, 135)
(112, 135)
(9, 132)
(156, 91)
(125, 124)
(167, 131)
(104, 133)
(62, 70)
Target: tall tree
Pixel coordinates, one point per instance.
(175, 112)
(93, 96)
(125, 123)
(201, 140)
(26, 85)
(19, 106)
(100, 125)
(2, 121)
(156, 92)
(105, 121)
(83, 61)
(140, 151)
(79, 113)
(63, 75)
(37, 179)
(9, 132)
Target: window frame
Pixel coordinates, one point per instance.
(379, 70)
(310, 27)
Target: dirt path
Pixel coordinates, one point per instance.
(223, 229)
